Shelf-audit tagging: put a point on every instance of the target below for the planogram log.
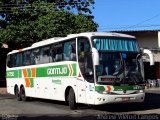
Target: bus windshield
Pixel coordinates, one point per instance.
(119, 63)
(117, 67)
(115, 44)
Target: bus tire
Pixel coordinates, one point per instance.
(71, 99)
(23, 94)
(17, 94)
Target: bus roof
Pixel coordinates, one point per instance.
(109, 34)
(58, 39)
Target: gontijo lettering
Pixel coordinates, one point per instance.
(57, 71)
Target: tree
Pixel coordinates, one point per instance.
(78, 6)
(42, 22)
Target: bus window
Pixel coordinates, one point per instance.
(10, 60)
(18, 59)
(69, 51)
(26, 59)
(52, 54)
(13, 60)
(85, 59)
(36, 56)
(45, 57)
(73, 51)
(32, 58)
(58, 52)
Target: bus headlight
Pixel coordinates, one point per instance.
(140, 91)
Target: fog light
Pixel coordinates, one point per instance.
(141, 91)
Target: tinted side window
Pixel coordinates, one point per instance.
(26, 59)
(57, 52)
(10, 62)
(18, 58)
(13, 58)
(46, 56)
(69, 51)
(35, 56)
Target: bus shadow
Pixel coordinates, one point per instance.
(152, 101)
(59, 104)
(57, 117)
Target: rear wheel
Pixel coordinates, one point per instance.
(17, 94)
(23, 94)
(71, 99)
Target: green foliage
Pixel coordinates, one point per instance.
(41, 20)
(78, 6)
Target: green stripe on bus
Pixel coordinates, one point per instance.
(54, 71)
(134, 87)
(29, 74)
(20, 73)
(74, 69)
(99, 88)
(120, 88)
(12, 74)
(49, 71)
(31, 82)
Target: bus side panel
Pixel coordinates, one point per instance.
(81, 90)
(49, 88)
(57, 88)
(12, 82)
(70, 82)
(41, 87)
(10, 85)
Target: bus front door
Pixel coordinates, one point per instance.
(86, 68)
(90, 93)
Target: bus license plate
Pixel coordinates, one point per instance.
(125, 98)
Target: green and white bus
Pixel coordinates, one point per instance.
(91, 68)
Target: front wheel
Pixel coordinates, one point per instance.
(71, 99)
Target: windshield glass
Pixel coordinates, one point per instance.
(118, 67)
(115, 44)
(109, 63)
(133, 68)
(120, 61)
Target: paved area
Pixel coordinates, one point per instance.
(3, 90)
(38, 109)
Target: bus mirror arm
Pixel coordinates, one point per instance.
(95, 56)
(150, 54)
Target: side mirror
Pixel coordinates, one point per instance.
(149, 53)
(95, 56)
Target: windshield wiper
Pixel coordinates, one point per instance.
(118, 72)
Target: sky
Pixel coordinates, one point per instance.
(126, 14)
